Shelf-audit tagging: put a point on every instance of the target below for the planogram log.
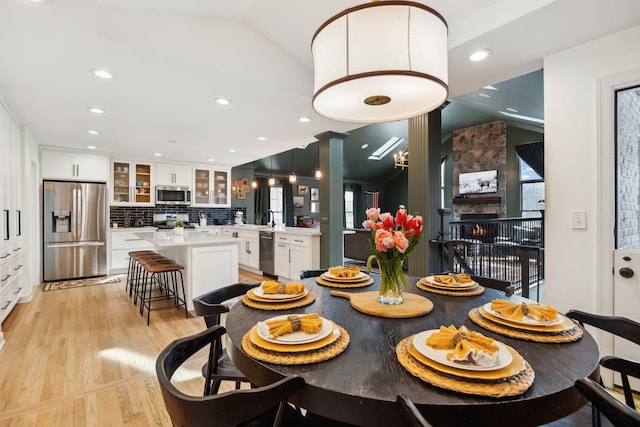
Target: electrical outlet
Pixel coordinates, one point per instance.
(578, 219)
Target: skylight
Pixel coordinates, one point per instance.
(388, 147)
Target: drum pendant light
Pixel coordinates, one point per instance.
(380, 62)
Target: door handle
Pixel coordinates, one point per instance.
(626, 272)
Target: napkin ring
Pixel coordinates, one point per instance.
(282, 289)
(295, 322)
(525, 310)
(459, 337)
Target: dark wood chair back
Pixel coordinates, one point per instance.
(311, 273)
(411, 413)
(264, 405)
(490, 282)
(621, 327)
(618, 413)
(220, 367)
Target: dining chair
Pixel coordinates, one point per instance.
(263, 406)
(490, 282)
(411, 413)
(623, 328)
(311, 273)
(211, 306)
(617, 412)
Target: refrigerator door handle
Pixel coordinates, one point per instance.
(73, 244)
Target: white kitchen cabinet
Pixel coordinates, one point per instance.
(296, 252)
(121, 242)
(173, 174)
(211, 268)
(69, 165)
(248, 246)
(131, 184)
(210, 187)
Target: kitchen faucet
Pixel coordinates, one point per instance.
(271, 218)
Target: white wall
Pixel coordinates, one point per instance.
(31, 204)
(571, 164)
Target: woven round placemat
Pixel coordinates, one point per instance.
(344, 285)
(311, 297)
(313, 356)
(569, 335)
(469, 293)
(511, 386)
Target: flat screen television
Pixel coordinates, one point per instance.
(478, 182)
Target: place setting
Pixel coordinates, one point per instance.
(465, 361)
(295, 339)
(529, 321)
(344, 277)
(452, 284)
(274, 295)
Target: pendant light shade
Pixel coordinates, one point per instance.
(380, 62)
(271, 181)
(292, 175)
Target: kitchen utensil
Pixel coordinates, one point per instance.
(367, 302)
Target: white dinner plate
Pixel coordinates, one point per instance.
(298, 337)
(432, 281)
(260, 292)
(358, 276)
(440, 356)
(525, 320)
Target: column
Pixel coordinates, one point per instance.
(424, 187)
(331, 198)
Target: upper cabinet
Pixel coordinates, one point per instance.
(131, 183)
(74, 166)
(173, 174)
(210, 187)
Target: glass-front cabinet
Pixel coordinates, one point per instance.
(132, 183)
(210, 187)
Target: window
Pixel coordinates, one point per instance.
(531, 191)
(348, 209)
(275, 204)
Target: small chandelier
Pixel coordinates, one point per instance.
(379, 62)
(401, 159)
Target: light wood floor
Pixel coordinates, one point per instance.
(85, 357)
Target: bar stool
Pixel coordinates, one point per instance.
(133, 255)
(161, 280)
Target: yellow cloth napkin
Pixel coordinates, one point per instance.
(308, 323)
(518, 310)
(467, 345)
(344, 271)
(273, 287)
(452, 279)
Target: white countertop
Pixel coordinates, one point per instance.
(190, 238)
(277, 229)
(146, 228)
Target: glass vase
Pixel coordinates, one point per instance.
(391, 282)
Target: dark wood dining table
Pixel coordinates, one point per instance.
(360, 385)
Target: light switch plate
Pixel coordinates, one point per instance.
(578, 219)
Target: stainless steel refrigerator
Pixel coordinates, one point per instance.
(75, 217)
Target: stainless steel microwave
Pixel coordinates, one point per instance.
(173, 195)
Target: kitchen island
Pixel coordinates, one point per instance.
(210, 261)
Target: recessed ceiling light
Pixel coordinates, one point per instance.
(232, 150)
(212, 159)
(157, 154)
(223, 101)
(363, 146)
(485, 95)
(93, 132)
(513, 110)
(490, 88)
(172, 141)
(262, 138)
(91, 147)
(96, 110)
(103, 74)
(479, 55)
(304, 119)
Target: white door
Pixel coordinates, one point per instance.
(626, 263)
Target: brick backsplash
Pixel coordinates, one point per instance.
(215, 216)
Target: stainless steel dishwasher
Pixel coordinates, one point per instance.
(267, 253)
